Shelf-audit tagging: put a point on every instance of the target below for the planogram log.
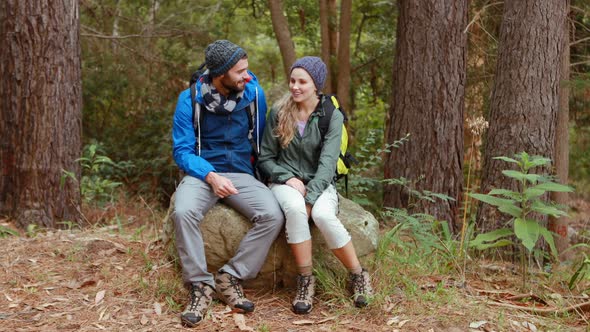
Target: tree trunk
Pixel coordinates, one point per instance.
(559, 225)
(525, 96)
(329, 35)
(428, 103)
(116, 16)
(281, 29)
(40, 118)
(325, 37)
(343, 91)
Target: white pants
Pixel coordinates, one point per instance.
(323, 214)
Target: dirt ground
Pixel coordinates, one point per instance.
(119, 279)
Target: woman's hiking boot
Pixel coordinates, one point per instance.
(360, 287)
(305, 291)
(200, 298)
(229, 290)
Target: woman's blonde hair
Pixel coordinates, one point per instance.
(287, 120)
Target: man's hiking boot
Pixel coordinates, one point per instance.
(229, 290)
(305, 291)
(199, 300)
(360, 286)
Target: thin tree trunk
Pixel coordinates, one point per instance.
(559, 225)
(428, 103)
(40, 117)
(325, 37)
(343, 91)
(329, 36)
(116, 16)
(283, 35)
(525, 96)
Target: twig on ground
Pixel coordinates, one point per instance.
(585, 306)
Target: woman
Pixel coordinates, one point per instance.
(301, 168)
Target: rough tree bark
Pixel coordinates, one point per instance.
(429, 78)
(40, 117)
(343, 88)
(329, 36)
(525, 97)
(559, 225)
(283, 35)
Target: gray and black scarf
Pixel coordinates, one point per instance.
(214, 101)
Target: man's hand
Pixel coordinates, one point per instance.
(298, 185)
(222, 186)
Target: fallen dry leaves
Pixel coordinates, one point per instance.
(101, 279)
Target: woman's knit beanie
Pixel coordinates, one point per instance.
(315, 67)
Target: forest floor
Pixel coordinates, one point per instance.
(118, 278)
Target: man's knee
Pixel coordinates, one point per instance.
(183, 215)
(271, 215)
(276, 216)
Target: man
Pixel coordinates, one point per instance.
(217, 161)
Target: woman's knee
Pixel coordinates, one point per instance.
(297, 232)
(323, 216)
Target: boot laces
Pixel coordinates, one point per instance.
(235, 284)
(197, 294)
(302, 287)
(358, 283)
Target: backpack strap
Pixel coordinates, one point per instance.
(196, 116)
(324, 121)
(253, 119)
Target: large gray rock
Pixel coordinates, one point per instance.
(223, 229)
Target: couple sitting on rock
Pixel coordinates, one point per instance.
(215, 152)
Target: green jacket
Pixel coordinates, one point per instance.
(306, 157)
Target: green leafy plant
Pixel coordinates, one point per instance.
(32, 230)
(582, 272)
(366, 177)
(427, 234)
(264, 328)
(477, 127)
(69, 225)
(522, 205)
(99, 172)
(95, 183)
(5, 232)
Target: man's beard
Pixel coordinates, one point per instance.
(234, 88)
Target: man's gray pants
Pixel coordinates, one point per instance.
(254, 201)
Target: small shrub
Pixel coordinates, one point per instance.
(6, 232)
(99, 175)
(522, 205)
(366, 177)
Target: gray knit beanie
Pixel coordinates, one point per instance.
(315, 67)
(221, 55)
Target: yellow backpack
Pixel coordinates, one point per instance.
(346, 159)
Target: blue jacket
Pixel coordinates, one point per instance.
(225, 147)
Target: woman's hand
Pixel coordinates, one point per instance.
(298, 185)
